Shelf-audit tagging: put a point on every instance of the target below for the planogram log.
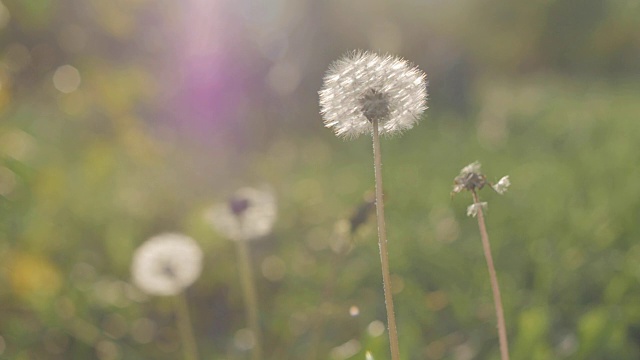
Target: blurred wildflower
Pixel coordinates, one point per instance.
(363, 86)
(33, 277)
(166, 264)
(249, 214)
(472, 210)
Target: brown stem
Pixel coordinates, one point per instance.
(382, 243)
(502, 329)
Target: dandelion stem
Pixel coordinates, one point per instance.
(502, 329)
(185, 328)
(382, 243)
(250, 297)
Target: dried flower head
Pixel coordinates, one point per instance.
(249, 214)
(166, 264)
(362, 87)
(470, 178)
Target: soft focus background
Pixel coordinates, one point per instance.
(122, 119)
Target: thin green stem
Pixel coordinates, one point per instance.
(382, 243)
(497, 300)
(249, 296)
(185, 328)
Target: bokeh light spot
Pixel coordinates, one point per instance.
(354, 311)
(346, 350)
(107, 350)
(437, 300)
(375, 328)
(244, 339)
(273, 268)
(66, 79)
(18, 145)
(397, 284)
(34, 277)
(143, 330)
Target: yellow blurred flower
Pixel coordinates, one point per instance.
(33, 277)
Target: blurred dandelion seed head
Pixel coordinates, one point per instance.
(166, 264)
(249, 214)
(363, 86)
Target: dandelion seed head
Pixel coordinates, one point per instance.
(376, 328)
(472, 210)
(166, 264)
(364, 86)
(249, 214)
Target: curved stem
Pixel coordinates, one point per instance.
(185, 328)
(382, 243)
(249, 296)
(502, 329)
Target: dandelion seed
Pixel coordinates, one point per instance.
(472, 210)
(362, 87)
(166, 264)
(249, 214)
(501, 186)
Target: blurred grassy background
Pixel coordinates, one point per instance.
(121, 119)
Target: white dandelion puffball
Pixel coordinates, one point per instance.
(166, 264)
(249, 214)
(363, 86)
